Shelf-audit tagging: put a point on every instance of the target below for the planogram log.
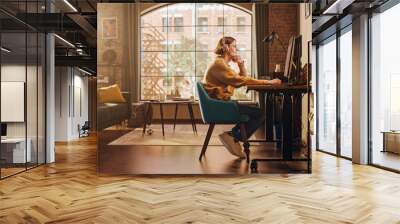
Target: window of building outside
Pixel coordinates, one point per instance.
(203, 24)
(178, 21)
(166, 24)
(241, 21)
(385, 88)
(327, 96)
(220, 23)
(173, 59)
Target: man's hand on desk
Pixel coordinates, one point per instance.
(273, 82)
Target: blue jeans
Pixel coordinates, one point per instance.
(256, 119)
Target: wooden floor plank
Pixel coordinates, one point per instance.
(70, 191)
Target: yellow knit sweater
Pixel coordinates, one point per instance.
(220, 80)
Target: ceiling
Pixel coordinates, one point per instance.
(75, 22)
(332, 15)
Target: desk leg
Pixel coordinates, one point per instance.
(145, 111)
(191, 114)
(194, 119)
(162, 119)
(287, 127)
(269, 122)
(176, 113)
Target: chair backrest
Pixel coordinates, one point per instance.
(86, 125)
(217, 111)
(203, 99)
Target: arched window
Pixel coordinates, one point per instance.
(177, 43)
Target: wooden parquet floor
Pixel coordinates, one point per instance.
(70, 191)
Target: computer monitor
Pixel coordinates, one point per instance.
(3, 130)
(293, 60)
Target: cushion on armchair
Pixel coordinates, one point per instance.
(110, 94)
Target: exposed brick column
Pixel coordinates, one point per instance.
(283, 19)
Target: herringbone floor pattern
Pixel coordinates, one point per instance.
(70, 191)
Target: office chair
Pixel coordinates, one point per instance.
(215, 111)
(84, 130)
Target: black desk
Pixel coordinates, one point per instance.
(288, 91)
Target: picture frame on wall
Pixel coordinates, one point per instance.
(109, 28)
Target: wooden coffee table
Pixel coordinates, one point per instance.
(189, 104)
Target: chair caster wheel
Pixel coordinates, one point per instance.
(253, 166)
(149, 131)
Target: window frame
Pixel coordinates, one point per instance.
(381, 9)
(334, 37)
(168, 28)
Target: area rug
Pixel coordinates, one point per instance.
(183, 135)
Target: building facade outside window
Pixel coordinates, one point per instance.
(178, 22)
(202, 24)
(220, 24)
(241, 21)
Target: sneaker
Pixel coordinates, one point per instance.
(233, 146)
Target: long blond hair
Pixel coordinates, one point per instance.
(222, 46)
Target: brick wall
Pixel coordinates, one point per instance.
(283, 19)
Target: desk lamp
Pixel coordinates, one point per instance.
(274, 36)
(270, 40)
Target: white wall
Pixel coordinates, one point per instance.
(14, 73)
(80, 112)
(71, 102)
(33, 126)
(61, 103)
